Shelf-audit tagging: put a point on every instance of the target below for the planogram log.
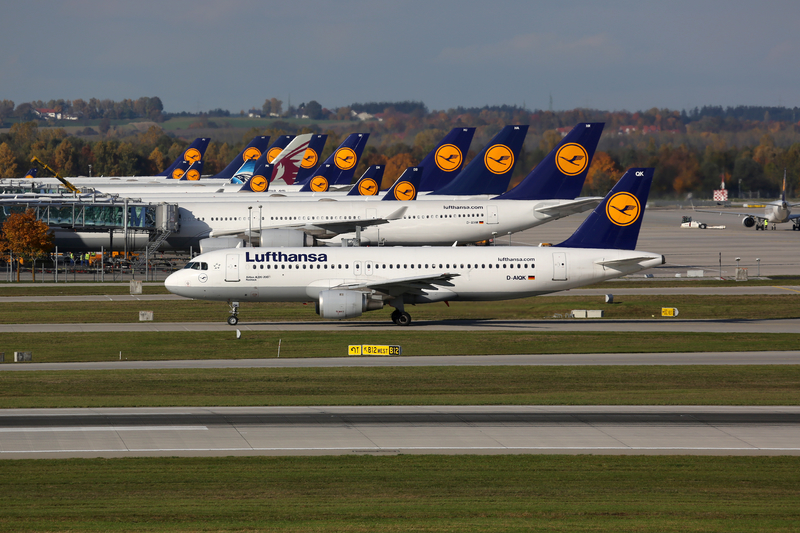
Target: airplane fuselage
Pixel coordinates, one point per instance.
(479, 273)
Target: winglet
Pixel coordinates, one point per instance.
(615, 223)
(562, 173)
(405, 188)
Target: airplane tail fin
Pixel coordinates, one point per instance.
(562, 173)
(245, 161)
(783, 191)
(444, 162)
(615, 223)
(406, 186)
(311, 159)
(287, 163)
(193, 154)
(369, 184)
(259, 181)
(490, 171)
(32, 173)
(344, 159)
(277, 147)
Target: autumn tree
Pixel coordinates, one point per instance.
(8, 162)
(27, 238)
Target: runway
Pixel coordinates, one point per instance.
(692, 430)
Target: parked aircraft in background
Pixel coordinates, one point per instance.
(777, 212)
(346, 282)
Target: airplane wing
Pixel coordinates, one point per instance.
(320, 228)
(579, 205)
(738, 214)
(409, 285)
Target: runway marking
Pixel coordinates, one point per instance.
(103, 428)
(786, 289)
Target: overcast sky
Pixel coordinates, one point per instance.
(233, 54)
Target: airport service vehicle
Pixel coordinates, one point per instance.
(688, 223)
(346, 282)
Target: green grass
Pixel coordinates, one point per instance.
(625, 307)
(152, 346)
(405, 493)
(442, 385)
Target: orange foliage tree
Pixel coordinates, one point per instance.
(26, 237)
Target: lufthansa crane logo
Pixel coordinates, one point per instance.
(345, 158)
(405, 191)
(177, 173)
(572, 159)
(499, 159)
(258, 183)
(251, 153)
(192, 155)
(319, 184)
(193, 175)
(368, 187)
(623, 209)
(273, 153)
(448, 157)
(310, 158)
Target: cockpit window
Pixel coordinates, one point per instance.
(197, 266)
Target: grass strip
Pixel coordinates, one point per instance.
(403, 493)
(444, 385)
(625, 307)
(150, 346)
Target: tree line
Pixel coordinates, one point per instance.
(692, 152)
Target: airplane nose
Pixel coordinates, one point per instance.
(172, 283)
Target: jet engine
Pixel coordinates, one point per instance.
(748, 222)
(346, 303)
(219, 243)
(284, 238)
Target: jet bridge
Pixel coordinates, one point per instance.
(89, 222)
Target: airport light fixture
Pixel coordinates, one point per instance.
(758, 262)
(250, 223)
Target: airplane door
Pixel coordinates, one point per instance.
(491, 214)
(357, 268)
(232, 267)
(368, 268)
(559, 266)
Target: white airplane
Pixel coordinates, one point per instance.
(777, 212)
(345, 282)
(547, 193)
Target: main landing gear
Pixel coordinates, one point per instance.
(234, 318)
(401, 318)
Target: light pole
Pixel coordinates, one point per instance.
(260, 219)
(250, 222)
(90, 171)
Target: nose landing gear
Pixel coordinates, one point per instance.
(234, 318)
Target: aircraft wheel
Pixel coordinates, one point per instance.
(395, 315)
(403, 320)
(233, 320)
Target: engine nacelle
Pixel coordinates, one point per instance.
(345, 304)
(285, 238)
(748, 222)
(219, 243)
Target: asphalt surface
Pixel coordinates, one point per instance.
(216, 431)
